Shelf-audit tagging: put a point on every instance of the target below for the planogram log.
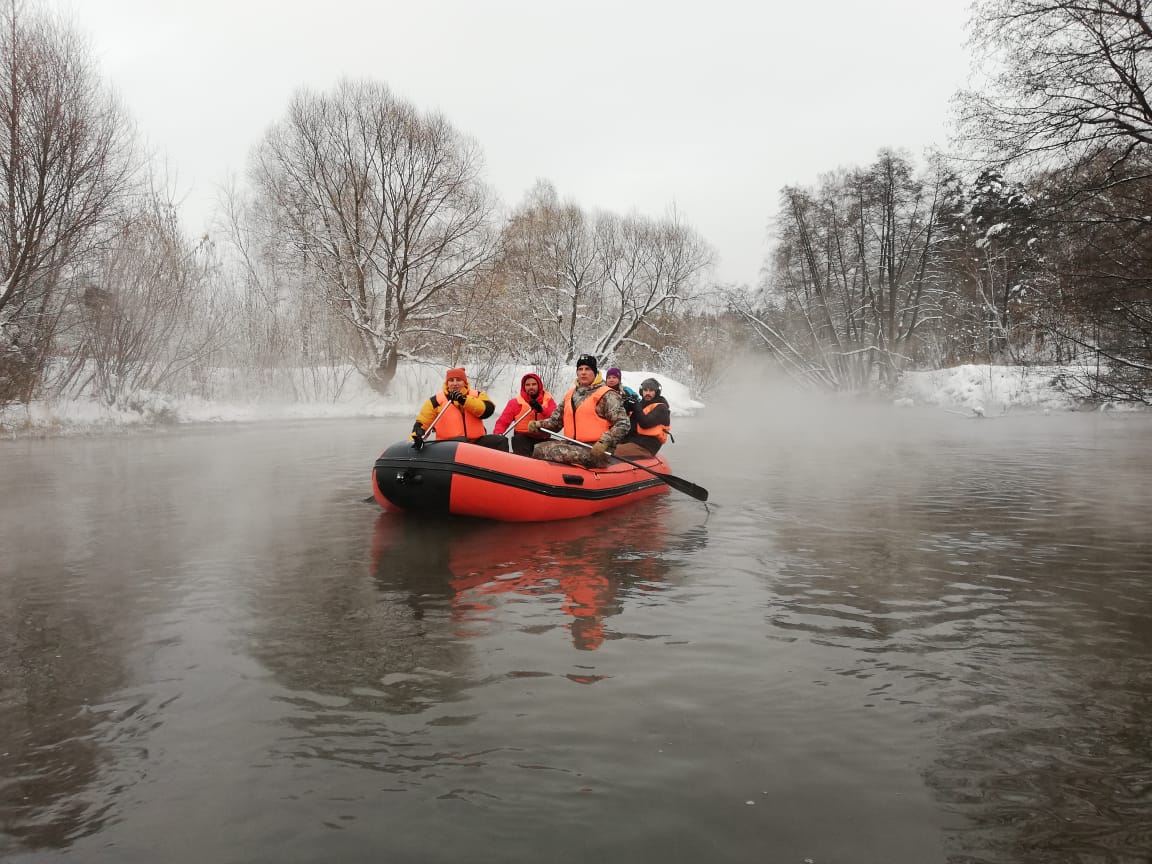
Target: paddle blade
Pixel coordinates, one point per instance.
(682, 485)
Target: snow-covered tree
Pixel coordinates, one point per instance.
(851, 282)
(65, 163)
(1073, 110)
(386, 211)
(991, 245)
(149, 314)
(569, 282)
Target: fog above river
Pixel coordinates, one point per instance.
(966, 390)
(852, 452)
(930, 628)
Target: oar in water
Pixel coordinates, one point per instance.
(678, 483)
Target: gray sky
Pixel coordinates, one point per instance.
(708, 107)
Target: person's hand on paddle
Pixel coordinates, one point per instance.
(417, 436)
(533, 425)
(535, 405)
(459, 397)
(678, 483)
(600, 451)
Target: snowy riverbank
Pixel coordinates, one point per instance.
(987, 390)
(412, 385)
(990, 390)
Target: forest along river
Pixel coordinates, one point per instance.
(896, 637)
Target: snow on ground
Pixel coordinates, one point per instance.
(975, 390)
(985, 390)
(412, 385)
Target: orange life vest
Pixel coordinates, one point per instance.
(456, 422)
(659, 432)
(522, 426)
(583, 423)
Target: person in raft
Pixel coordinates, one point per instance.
(590, 412)
(651, 423)
(628, 396)
(466, 410)
(533, 403)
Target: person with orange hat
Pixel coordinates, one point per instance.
(464, 411)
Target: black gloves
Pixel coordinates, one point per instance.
(535, 405)
(417, 435)
(630, 402)
(459, 397)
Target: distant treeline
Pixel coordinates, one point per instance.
(1032, 243)
(365, 232)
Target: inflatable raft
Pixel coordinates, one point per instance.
(466, 480)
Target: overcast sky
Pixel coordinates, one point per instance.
(709, 107)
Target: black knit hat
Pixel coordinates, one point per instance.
(650, 384)
(587, 360)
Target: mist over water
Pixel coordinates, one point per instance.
(893, 635)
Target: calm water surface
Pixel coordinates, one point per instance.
(896, 637)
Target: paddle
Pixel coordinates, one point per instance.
(512, 428)
(417, 443)
(677, 483)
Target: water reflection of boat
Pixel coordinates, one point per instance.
(591, 565)
(453, 477)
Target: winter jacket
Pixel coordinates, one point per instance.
(459, 421)
(607, 414)
(518, 405)
(651, 423)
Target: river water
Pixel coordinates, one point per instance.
(891, 637)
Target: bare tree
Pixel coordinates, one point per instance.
(65, 162)
(650, 266)
(1099, 299)
(852, 283)
(291, 343)
(572, 283)
(1080, 87)
(385, 208)
(1074, 109)
(150, 314)
(548, 280)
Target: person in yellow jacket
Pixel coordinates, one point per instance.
(590, 412)
(464, 411)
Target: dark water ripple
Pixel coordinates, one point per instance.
(921, 644)
(1019, 632)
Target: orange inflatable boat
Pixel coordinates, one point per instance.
(466, 480)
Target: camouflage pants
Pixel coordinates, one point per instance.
(573, 454)
(635, 451)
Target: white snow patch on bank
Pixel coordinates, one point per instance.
(412, 385)
(974, 390)
(986, 389)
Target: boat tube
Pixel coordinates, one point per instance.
(455, 477)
